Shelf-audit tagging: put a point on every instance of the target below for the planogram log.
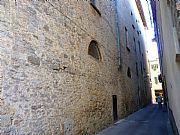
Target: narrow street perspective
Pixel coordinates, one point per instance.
(147, 121)
(87, 67)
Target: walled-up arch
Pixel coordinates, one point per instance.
(93, 50)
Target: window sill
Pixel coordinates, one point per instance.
(95, 8)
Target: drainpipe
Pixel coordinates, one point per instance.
(118, 33)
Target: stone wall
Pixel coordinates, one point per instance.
(49, 84)
(137, 87)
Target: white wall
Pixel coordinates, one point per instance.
(170, 66)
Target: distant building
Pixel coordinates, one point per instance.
(156, 86)
(166, 16)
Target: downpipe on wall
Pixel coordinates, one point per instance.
(118, 36)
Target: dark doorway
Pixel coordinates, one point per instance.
(115, 115)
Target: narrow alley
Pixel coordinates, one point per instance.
(88, 67)
(147, 121)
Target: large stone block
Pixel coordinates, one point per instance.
(34, 60)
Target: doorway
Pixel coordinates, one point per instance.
(115, 114)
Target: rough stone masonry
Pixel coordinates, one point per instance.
(49, 85)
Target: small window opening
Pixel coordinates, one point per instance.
(138, 32)
(126, 38)
(129, 72)
(141, 68)
(93, 50)
(131, 13)
(154, 67)
(125, 28)
(156, 80)
(133, 26)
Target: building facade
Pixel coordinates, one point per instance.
(167, 31)
(156, 86)
(70, 67)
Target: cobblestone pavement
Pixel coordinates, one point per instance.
(148, 121)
